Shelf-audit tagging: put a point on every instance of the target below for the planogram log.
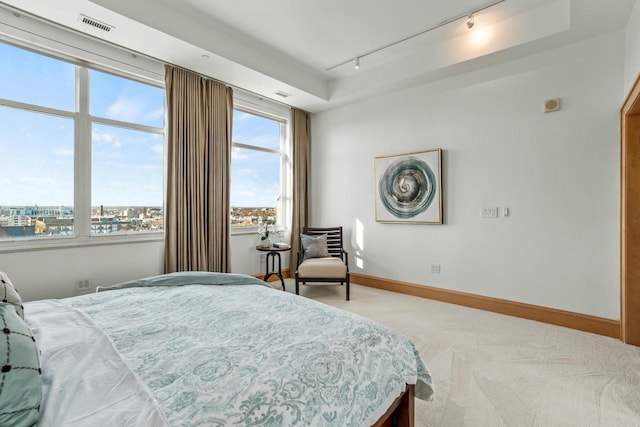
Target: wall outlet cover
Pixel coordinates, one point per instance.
(83, 285)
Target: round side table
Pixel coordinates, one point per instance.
(272, 254)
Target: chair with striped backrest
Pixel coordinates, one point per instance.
(319, 262)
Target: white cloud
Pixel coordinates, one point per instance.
(144, 167)
(67, 152)
(106, 137)
(247, 194)
(158, 148)
(118, 184)
(236, 155)
(154, 115)
(250, 172)
(34, 180)
(101, 137)
(125, 109)
(242, 116)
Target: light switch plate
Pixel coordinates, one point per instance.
(489, 213)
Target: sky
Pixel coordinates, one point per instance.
(36, 149)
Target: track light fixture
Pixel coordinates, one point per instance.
(470, 24)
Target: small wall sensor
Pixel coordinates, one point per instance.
(551, 105)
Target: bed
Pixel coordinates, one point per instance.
(211, 349)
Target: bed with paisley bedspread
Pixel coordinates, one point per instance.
(211, 349)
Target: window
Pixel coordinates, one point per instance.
(127, 170)
(82, 150)
(259, 168)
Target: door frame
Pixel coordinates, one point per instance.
(630, 217)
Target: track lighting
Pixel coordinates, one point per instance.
(470, 22)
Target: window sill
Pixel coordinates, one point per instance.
(251, 230)
(244, 230)
(48, 243)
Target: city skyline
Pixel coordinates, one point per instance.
(34, 221)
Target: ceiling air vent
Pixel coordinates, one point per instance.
(282, 94)
(95, 23)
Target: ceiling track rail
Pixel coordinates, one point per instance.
(409, 37)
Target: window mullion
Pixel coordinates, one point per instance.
(126, 125)
(82, 144)
(256, 148)
(36, 108)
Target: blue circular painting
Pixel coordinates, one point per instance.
(407, 187)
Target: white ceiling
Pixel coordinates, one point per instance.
(287, 45)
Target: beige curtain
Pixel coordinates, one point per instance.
(199, 113)
(301, 134)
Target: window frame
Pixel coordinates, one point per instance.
(251, 104)
(82, 158)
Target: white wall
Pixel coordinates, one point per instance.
(52, 273)
(632, 46)
(558, 173)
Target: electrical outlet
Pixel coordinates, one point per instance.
(83, 285)
(435, 268)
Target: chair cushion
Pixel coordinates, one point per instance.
(8, 294)
(20, 376)
(314, 246)
(322, 267)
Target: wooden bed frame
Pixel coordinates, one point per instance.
(401, 412)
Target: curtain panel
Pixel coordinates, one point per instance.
(301, 134)
(199, 119)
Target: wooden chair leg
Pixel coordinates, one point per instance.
(297, 286)
(347, 289)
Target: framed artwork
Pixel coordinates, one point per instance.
(409, 187)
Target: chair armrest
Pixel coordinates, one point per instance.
(299, 258)
(345, 258)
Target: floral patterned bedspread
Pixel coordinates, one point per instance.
(251, 355)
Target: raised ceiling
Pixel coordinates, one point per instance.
(288, 45)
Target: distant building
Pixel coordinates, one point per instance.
(41, 211)
(17, 220)
(16, 232)
(55, 226)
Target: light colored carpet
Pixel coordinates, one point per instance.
(495, 370)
